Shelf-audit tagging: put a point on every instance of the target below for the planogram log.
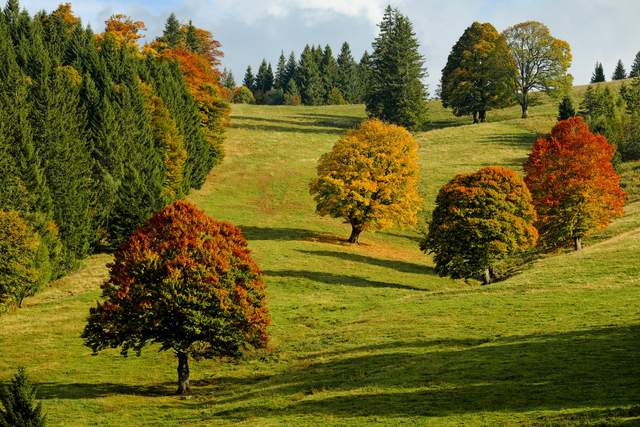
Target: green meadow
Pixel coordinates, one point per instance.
(367, 334)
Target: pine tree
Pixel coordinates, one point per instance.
(328, 71)
(227, 80)
(635, 67)
(281, 80)
(249, 80)
(172, 35)
(565, 108)
(598, 73)
(364, 76)
(311, 85)
(619, 73)
(291, 69)
(347, 75)
(292, 94)
(264, 78)
(397, 94)
(20, 405)
(191, 38)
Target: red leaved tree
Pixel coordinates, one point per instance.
(574, 186)
(186, 282)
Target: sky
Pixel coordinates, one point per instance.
(597, 30)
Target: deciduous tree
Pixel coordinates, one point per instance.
(574, 186)
(480, 73)
(186, 282)
(542, 60)
(369, 178)
(480, 218)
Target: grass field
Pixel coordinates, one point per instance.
(368, 334)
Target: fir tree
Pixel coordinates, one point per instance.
(619, 73)
(20, 406)
(598, 73)
(292, 94)
(635, 67)
(565, 108)
(397, 94)
(328, 71)
(347, 75)
(311, 85)
(227, 80)
(281, 80)
(364, 76)
(191, 38)
(172, 35)
(291, 69)
(249, 80)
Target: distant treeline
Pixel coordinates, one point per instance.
(619, 73)
(96, 134)
(315, 78)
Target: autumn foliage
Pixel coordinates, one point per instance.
(125, 30)
(370, 178)
(479, 219)
(574, 185)
(186, 282)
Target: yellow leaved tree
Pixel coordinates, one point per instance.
(370, 179)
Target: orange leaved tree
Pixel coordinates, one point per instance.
(370, 178)
(574, 186)
(186, 282)
(479, 219)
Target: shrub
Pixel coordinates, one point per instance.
(243, 95)
(273, 97)
(480, 219)
(370, 178)
(186, 282)
(19, 402)
(335, 97)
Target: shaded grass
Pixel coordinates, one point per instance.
(368, 334)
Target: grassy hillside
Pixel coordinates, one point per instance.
(367, 334)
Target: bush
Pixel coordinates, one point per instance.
(273, 97)
(292, 99)
(19, 407)
(480, 219)
(186, 282)
(22, 260)
(243, 95)
(335, 97)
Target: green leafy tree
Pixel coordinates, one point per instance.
(480, 218)
(542, 61)
(635, 67)
(396, 93)
(21, 409)
(480, 74)
(243, 95)
(311, 84)
(598, 73)
(619, 73)
(565, 108)
(347, 74)
(335, 97)
(186, 282)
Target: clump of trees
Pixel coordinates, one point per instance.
(317, 77)
(97, 133)
(480, 219)
(186, 282)
(480, 73)
(370, 179)
(542, 61)
(574, 186)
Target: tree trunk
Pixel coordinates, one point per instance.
(483, 116)
(578, 243)
(355, 233)
(475, 117)
(524, 103)
(183, 374)
(487, 276)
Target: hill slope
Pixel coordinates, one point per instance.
(367, 334)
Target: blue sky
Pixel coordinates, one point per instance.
(602, 30)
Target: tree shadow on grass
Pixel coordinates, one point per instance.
(251, 232)
(401, 266)
(581, 369)
(338, 279)
(276, 128)
(49, 390)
